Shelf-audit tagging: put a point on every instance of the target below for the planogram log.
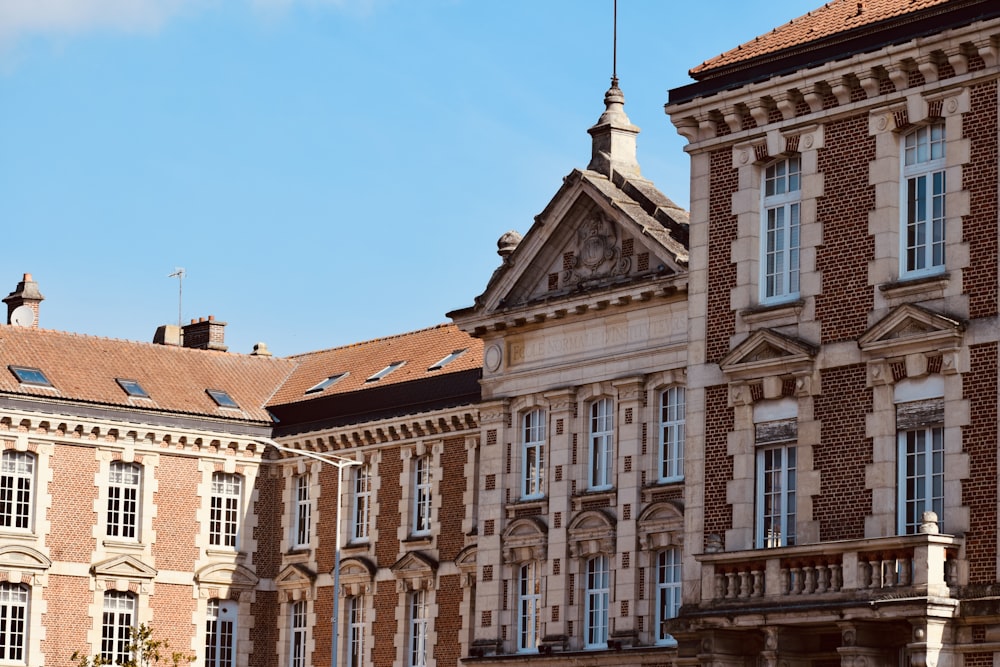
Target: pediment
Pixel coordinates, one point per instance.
(414, 564)
(18, 557)
(525, 530)
(594, 521)
(229, 575)
(662, 513)
(467, 557)
(295, 575)
(766, 352)
(357, 567)
(123, 567)
(591, 237)
(911, 328)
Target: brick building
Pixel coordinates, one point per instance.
(762, 434)
(842, 493)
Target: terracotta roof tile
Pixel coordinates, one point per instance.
(837, 16)
(419, 350)
(85, 368)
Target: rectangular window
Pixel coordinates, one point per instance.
(13, 622)
(220, 634)
(672, 434)
(17, 475)
(297, 655)
(28, 375)
(668, 591)
(417, 654)
(421, 495)
(923, 234)
(529, 601)
(921, 477)
(118, 619)
(596, 600)
(302, 524)
(775, 497)
(780, 233)
(361, 503)
(602, 429)
(124, 482)
(533, 455)
(224, 515)
(355, 631)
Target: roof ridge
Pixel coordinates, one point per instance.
(443, 325)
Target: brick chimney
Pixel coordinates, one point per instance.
(204, 334)
(26, 294)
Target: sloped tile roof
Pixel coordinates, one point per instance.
(84, 369)
(837, 16)
(419, 350)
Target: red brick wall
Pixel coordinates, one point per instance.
(979, 177)
(326, 526)
(265, 629)
(718, 463)
(448, 623)
(173, 608)
(980, 442)
(847, 247)
(389, 494)
(268, 508)
(723, 182)
(72, 512)
(322, 631)
(384, 623)
(176, 502)
(450, 538)
(66, 622)
(983, 659)
(842, 454)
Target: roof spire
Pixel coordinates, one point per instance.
(614, 134)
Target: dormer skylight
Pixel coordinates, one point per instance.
(132, 388)
(447, 360)
(385, 371)
(222, 399)
(28, 375)
(328, 382)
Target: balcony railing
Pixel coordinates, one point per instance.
(924, 564)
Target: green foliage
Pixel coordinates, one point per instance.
(144, 650)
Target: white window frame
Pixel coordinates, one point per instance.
(417, 616)
(529, 602)
(225, 510)
(672, 402)
(422, 495)
(922, 205)
(668, 592)
(533, 454)
(297, 625)
(361, 503)
(117, 620)
(124, 498)
(302, 519)
(596, 602)
(780, 234)
(355, 631)
(920, 486)
(602, 448)
(14, 623)
(776, 496)
(220, 633)
(17, 484)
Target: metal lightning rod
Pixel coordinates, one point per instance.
(179, 274)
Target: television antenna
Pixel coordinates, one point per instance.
(179, 273)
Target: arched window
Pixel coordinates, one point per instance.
(118, 619)
(220, 633)
(13, 623)
(671, 434)
(529, 601)
(596, 601)
(668, 591)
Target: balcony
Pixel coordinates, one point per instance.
(923, 565)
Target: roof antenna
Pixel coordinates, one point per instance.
(614, 49)
(179, 273)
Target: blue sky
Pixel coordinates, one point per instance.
(326, 171)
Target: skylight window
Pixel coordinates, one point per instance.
(32, 376)
(222, 399)
(132, 388)
(385, 371)
(328, 382)
(447, 360)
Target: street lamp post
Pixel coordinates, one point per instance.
(340, 463)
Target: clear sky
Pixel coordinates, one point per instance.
(326, 171)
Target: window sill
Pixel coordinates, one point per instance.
(923, 286)
(522, 508)
(17, 535)
(216, 552)
(598, 499)
(773, 311)
(121, 545)
(419, 539)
